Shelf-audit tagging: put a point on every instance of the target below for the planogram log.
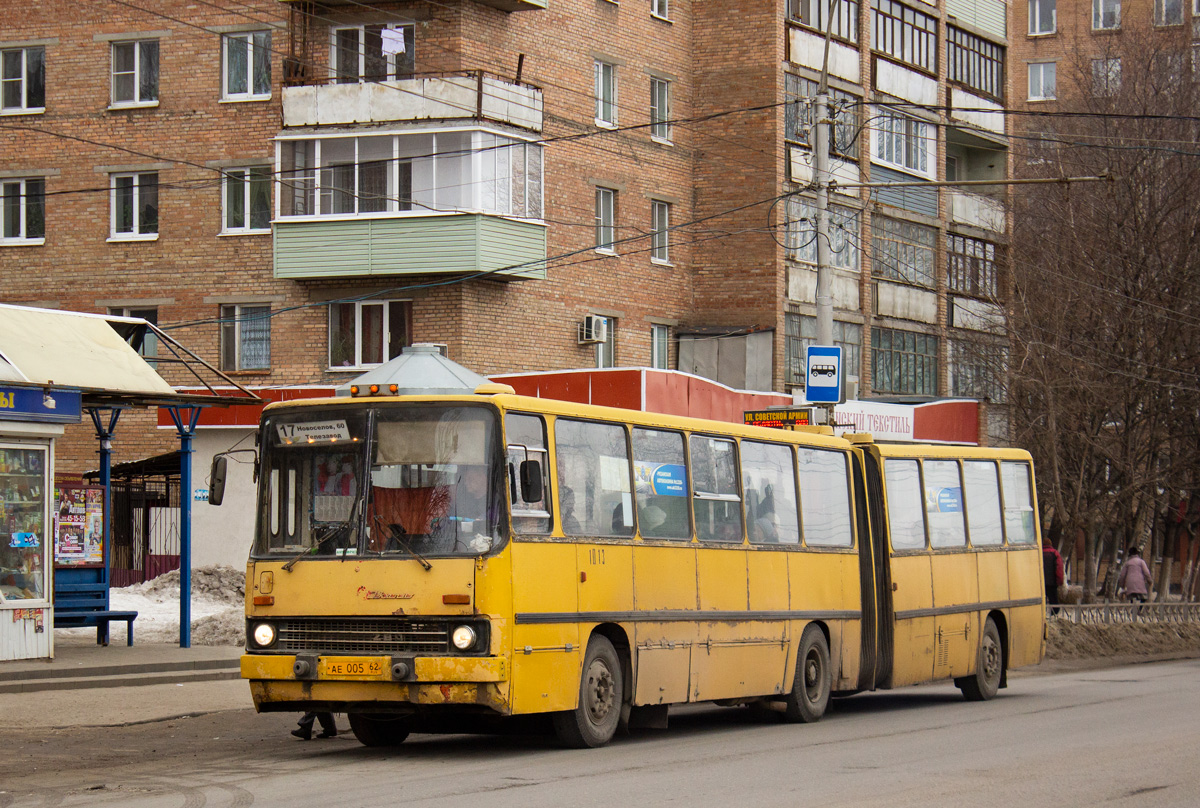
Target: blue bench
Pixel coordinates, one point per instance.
(80, 605)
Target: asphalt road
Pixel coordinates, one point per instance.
(1119, 736)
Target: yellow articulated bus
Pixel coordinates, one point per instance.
(434, 563)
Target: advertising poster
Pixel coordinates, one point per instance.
(79, 539)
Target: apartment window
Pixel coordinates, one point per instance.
(135, 72)
(1042, 81)
(660, 109)
(974, 62)
(606, 217)
(1106, 76)
(977, 370)
(903, 362)
(802, 233)
(1043, 16)
(247, 66)
(135, 205)
(606, 94)
(606, 352)
(660, 336)
(800, 94)
(815, 14)
(421, 172)
(23, 80)
(903, 142)
(801, 331)
(245, 337)
(903, 251)
(1106, 14)
(24, 211)
(660, 9)
(363, 53)
(1168, 12)
(368, 332)
(148, 348)
(247, 199)
(905, 34)
(659, 242)
(971, 266)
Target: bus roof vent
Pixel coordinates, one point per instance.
(419, 370)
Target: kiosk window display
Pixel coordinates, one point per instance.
(23, 523)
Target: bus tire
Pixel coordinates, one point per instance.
(989, 667)
(379, 730)
(594, 721)
(814, 679)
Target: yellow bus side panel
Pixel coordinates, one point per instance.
(493, 596)
(664, 578)
(768, 574)
(955, 584)
(828, 582)
(1026, 634)
(993, 575)
(736, 659)
(721, 579)
(912, 588)
(605, 578)
(664, 658)
(545, 587)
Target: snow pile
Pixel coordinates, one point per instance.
(217, 608)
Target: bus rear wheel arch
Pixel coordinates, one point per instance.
(595, 719)
(813, 683)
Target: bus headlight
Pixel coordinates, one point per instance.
(463, 638)
(263, 634)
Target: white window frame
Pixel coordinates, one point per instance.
(385, 333)
(606, 352)
(1106, 76)
(21, 81)
(408, 33)
(915, 138)
(22, 237)
(660, 226)
(1160, 10)
(1106, 15)
(254, 42)
(149, 349)
(241, 313)
(660, 346)
(606, 94)
(1037, 91)
(140, 231)
(660, 110)
(606, 220)
(1035, 17)
(660, 9)
(138, 46)
(246, 177)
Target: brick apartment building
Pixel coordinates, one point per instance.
(296, 190)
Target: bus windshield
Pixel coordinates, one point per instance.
(403, 480)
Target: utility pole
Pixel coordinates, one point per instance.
(821, 133)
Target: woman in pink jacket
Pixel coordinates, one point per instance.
(1135, 577)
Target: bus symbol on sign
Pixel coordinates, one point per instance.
(824, 377)
(824, 370)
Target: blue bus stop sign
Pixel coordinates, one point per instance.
(823, 380)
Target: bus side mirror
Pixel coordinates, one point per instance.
(531, 481)
(216, 480)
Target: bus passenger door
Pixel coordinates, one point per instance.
(912, 605)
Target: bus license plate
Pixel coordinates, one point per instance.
(350, 667)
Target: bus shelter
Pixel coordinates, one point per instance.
(55, 367)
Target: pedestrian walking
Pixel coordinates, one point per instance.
(328, 725)
(1135, 577)
(1052, 571)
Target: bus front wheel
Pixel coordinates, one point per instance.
(814, 679)
(594, 721)
(989, 667)
(379, 730)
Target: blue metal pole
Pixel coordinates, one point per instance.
(186, 430)
(105, 436)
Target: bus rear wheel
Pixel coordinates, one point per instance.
(601, 688)
(814, 679)
(989, 667)
(379, 730)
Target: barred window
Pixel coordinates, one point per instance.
(802, 233)
(815, 14)
(905, 34)
(902, 251)
(800, 94)
(971, 266)
(801, 331)
(978, 370)
(975, 62)
(903, 362)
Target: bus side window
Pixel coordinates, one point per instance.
(983, 503)
(769, 482)
(593, 466)
(715, 498)
(1018, 503)
(660, 484)
(526, 439)
(944, 504)
(825, 498)
(906, 518)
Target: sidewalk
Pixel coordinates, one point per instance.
(91, 685)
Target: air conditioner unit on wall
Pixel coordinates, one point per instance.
(593, 329)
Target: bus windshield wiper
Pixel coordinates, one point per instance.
(329, 531)
(396, 534)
